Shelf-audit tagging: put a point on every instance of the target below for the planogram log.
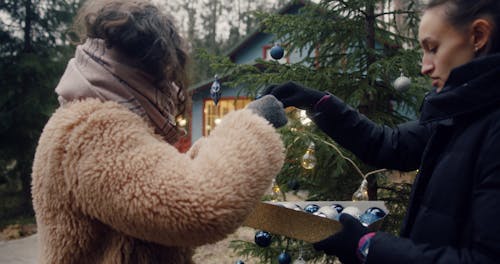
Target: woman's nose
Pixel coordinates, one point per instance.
(427, 67)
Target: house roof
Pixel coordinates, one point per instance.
(247, 41)
(244, 42)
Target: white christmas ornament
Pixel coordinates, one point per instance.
(328, 212)
(290, 205)
(402, 83)
(354, 211)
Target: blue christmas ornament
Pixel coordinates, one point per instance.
(337, 207)
(311, 208)
(293, 184)
(277, 52)
(240, 262)
(215, 90)
(284, 258)
(263, 238)
(376, 211)
(367, 219)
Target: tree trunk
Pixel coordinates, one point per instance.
(28, 46)
(370, 46)
(25, 162)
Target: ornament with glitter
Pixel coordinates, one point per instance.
(215, 90)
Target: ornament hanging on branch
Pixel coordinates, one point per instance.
(284, 258)
(402, 83)
(277, 52)
(263, 238)
(293, 184)
(215, 90)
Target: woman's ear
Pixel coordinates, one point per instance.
(481, 30)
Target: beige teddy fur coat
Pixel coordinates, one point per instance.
(106, 189)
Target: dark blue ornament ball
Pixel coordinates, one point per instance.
(311, 208)
(284, 258)
(376, 211)
(277, 52)
(293, 184)
(263, 238)
(240, 262)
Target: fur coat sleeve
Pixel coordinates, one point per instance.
(121, 174)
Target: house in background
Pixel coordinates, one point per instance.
(204, 114)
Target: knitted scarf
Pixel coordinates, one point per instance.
(100, 72)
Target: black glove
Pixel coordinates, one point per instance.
(294, 94)
(344, 244)
(271, 109)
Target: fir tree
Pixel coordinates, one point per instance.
(33, 54)
(354, 50)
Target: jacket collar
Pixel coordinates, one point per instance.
(470, 87)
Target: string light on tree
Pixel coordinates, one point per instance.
(276, 194)
(309, 160)
(361, 193)
(304, 119)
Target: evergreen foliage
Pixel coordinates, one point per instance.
(33, 54)
(355, 50)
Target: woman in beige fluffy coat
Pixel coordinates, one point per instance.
(108, 186)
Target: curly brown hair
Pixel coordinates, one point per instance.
(143, 33)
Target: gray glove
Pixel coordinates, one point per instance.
(271, 109)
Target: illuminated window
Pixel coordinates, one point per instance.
(212, 114)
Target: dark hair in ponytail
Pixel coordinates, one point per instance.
(143, 33)
(463, 12)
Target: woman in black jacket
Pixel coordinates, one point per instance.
(453, 215)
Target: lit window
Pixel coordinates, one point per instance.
(212, 114)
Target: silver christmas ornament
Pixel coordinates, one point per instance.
(215, 90)
(354, 211)
(402, 83)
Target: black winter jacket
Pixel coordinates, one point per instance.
(454, 210)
